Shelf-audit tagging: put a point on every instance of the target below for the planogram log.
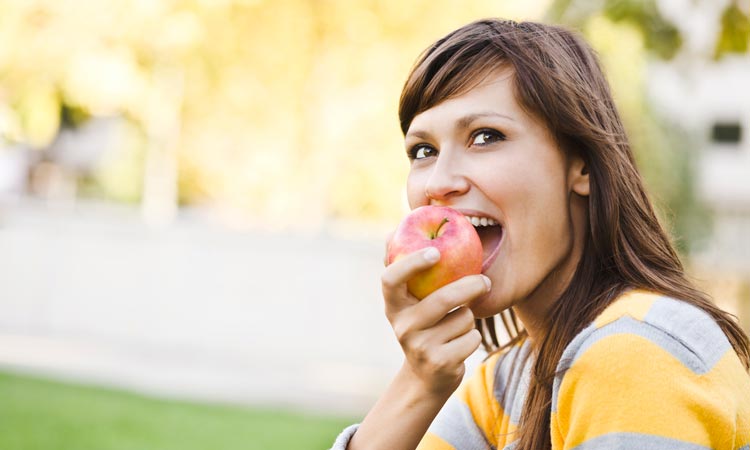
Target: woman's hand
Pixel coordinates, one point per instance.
(436, 333)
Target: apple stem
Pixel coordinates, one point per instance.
(435, 234)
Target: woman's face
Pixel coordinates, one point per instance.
(482, 154)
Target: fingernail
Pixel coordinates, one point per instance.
(432, 254)
(487, 282)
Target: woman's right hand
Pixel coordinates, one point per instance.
(437, 333)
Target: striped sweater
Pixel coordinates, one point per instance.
(649, 373)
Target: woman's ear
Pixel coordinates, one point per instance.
(578, 176)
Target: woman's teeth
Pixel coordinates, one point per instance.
(481, 221)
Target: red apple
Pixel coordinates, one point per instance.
(445, 229)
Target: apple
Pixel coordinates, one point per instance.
(445, 229)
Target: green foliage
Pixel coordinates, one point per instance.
(37, 414)
(660, 36)
(667, 158)
(735, 31)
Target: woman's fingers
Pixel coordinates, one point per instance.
(436, 333)
(463, 346)
(439, 317)
(433, 308)
(410, 319)
(457, 323)
(421, 342)
(396, 275)
(439, 361)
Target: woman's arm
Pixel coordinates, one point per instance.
(400, 417)
(437, 335)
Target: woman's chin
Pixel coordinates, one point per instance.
(500, 296)
(488, 305)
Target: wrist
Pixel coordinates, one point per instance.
(418, 390)
(406, 409)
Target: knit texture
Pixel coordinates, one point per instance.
(649, 373)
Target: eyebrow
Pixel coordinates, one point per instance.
(467, 120)
(463, 122)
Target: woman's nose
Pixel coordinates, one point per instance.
(446, 181)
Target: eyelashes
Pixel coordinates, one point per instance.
(487, 136)
(480, 138)
(421, 151)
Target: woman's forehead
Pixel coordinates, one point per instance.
(471, 78)
(491, 95)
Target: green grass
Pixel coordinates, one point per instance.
(37, 414)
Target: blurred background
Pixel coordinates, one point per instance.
(194, 196)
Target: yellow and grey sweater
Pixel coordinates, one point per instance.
(649, 373)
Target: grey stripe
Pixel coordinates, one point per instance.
(687, 333)
(342, 441)
(512, 374)
(455, 425)
(693, 327)
(744, 447)
(633, 441)
(512, 445)
(520, 389)
(566, 360)
(675, 346)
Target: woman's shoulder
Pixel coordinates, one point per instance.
(654, 369)
(653, 323)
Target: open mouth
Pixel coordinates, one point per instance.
(491, 234)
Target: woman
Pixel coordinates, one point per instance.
(515, 122)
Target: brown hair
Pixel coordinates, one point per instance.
(558, 79)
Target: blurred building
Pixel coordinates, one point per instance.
(712, 99)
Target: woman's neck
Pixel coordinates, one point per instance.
(534, 311)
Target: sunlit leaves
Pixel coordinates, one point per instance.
(38, 106)
(660, 36)
(285, 108)
(735, 31)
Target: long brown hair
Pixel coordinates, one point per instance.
(558, 79)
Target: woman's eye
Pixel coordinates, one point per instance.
(422, 152)
(485, 137)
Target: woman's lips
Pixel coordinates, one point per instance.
(490, 232)
(491, 238)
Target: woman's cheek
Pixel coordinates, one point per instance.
(415, 190)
